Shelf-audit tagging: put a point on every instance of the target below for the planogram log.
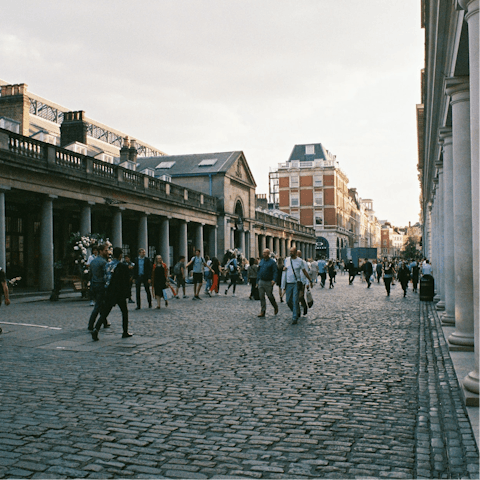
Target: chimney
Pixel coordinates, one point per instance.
(15, 104)
(73, 128)
(125, 150)
(132, 152)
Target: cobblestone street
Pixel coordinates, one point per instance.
(362, 387)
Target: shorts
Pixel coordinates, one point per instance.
(180, 279)
(197, 277)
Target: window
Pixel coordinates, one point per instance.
(318, 180)
(294, 181)
(309, 149)
(319, 218)
(294, 199)
(165, 165)
(318, 198)
(208, 163)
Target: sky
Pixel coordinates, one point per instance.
(204, 76)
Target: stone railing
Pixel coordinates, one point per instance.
(59, 161)
(272, 221)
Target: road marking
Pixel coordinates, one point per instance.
(30, 325)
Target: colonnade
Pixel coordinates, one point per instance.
(280, 246)
(453, 236)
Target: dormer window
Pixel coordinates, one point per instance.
(208, 162)
(309, 149)
(163, 165)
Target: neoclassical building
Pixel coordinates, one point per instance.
(61, 173)
(448, 141)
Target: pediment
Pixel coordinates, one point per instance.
(241, 171)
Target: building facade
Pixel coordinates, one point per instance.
(312, 187)
(448, 147)
(63, 179)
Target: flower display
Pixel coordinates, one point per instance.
(78, 245)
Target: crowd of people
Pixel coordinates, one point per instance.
(112, 278)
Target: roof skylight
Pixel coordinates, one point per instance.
(208, 162)
(165, 165)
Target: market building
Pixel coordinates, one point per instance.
(448, 165)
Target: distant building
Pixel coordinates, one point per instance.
(312, 187)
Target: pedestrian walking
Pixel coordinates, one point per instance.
(208, 275)
(331, 273)
(117, 285)
(304, 282)
(379, 271)
(141, 273)
(313, 271)
(216, 275)
(232, 267)
(179, 273)
(388, 272)
(199, 264)
(3, 282)
(291, 282)
(278, 278)
(159, 280)
(128, 262)
(414, 272)
(367, 271)
(267, 271)
(404, 277)
(91, 258)
(252, 279)
(352, 271)
(97, 284)
(322, 271)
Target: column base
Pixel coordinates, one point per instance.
(436, 298)
(440, 306)
(471, 382)
(448, 319)
(460, 342)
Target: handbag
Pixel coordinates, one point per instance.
(309, 297)
(167, 294)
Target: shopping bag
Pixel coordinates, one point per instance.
(167, 294)
(308, 294)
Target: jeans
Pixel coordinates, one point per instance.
(208, 279)
(323, 276)
(265, 287)
(98, 292)
(291, 294)
(387, 281)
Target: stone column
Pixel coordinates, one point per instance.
(165, 241)
(232, 238)
(448, 317)
(182, 239)
(86, 219)
(3, 249)
(441, 235)
(276, 246)
(263, 245)
(143, 232)
(471, 381)
(241, 237)
(212, 247)
(458, 90)
(46, 244)
(436, 241)
(199, 238)
(117, 228)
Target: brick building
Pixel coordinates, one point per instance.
(312, 187)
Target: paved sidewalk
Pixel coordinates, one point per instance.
(359, 388)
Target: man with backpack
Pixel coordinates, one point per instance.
(199, 264)
(179, 272)
(234, 271)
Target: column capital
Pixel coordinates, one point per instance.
(90, 203)
(4, 188)
(458, 88)
(445, 135)
(52, 197)
(471, 6)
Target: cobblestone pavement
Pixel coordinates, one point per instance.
(362, 387)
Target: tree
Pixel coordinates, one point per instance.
(410, 248)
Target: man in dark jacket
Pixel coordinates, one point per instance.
(142, 273)
(117, 285)
(352, 271)
(368, 271)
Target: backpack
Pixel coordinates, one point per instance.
(177, 269)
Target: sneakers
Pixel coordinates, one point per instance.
(185, 296)
(127, 335)
(130, 300)
(92, 303)
(208, 293)
(226, 291)
(107, 325)
(295, 322)
(233, 295)
(95, 335)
